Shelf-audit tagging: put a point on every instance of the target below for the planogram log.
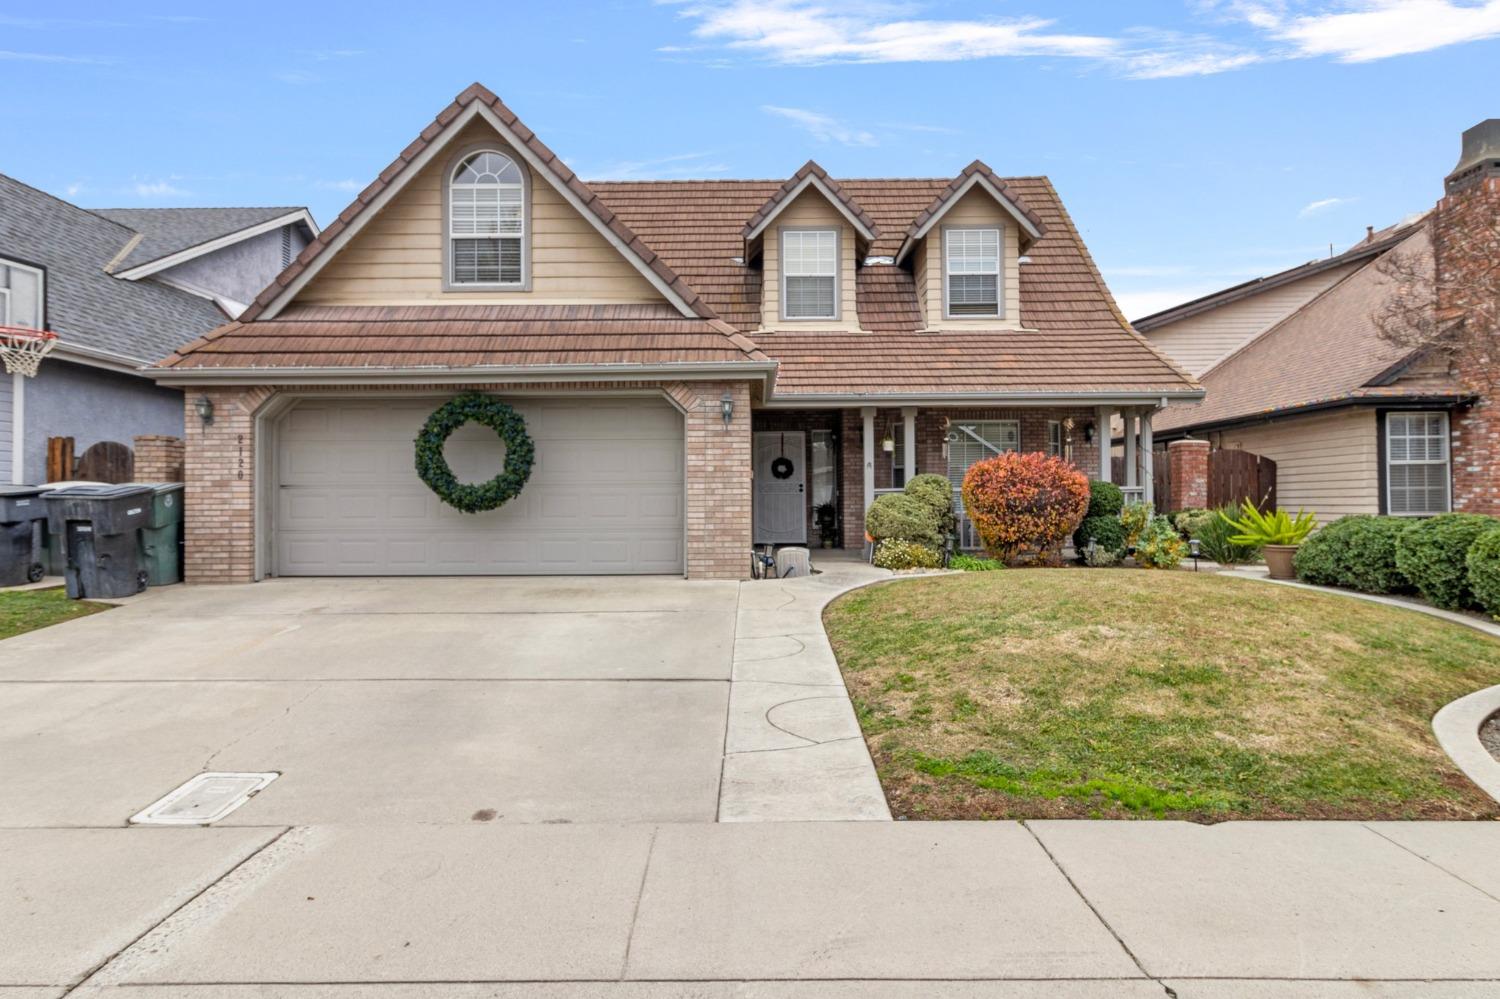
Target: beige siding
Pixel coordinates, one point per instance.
(808, 210)
(397, 258)
(1199, 342)
(1325, 462)
(920, 275)
(974, 208)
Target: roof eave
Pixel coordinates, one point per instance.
(868, 231)
(182, 256)
(953, 197)
(1101, 397)
(444, 374)
(1322, 405)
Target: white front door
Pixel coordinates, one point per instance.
(780, 488)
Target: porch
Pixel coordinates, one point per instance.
(815, 471)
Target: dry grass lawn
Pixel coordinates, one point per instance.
(1070, 692)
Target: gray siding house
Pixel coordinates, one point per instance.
(122, 288)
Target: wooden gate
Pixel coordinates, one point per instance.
(1235, 476)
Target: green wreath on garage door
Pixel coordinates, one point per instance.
(432, 464)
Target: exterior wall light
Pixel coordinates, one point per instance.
(1088, 432)
(726, 409)
(205, 408)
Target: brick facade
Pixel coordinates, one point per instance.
(220, 464)
(1463, 221)
(1188, 462)
(158, 458)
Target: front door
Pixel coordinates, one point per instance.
(780, 488)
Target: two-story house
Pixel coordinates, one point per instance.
(120, 288)
(700, 364)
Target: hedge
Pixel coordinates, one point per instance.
(1357, 552)
(1107, 531)
(1483, 564)
(897, 515)
(1105, 499)
(1433, 554)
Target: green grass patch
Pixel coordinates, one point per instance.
(1067, 692)
(27, 610)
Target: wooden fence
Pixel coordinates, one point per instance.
(1235, 476)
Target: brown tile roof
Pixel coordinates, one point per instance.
(809, 169)
(1325, 353)
(949, 193)
(477, 93)
(467, 335)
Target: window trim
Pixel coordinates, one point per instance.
(838, 273)
(955, 427)
(449, 285)
(999, 230)
(1384, 454)
(1054, 430)
(41, 277)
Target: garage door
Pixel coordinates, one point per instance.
(605, 494)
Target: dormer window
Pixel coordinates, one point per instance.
(487, 222)
(809, 273)
(971, 273)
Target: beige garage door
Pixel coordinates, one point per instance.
(605, 494)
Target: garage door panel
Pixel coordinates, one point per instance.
(605, 493)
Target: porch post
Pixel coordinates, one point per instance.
(867, 440)
(1102, 438)
(1132, 480)
(1148, 459)
(909, 440)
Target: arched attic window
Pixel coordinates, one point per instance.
(487, 221)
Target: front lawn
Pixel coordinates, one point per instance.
(1070, 692)
(27, 610)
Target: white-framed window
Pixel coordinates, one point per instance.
(487, 221)
(22, 295)
(1417, 472)
(1054, 438)
(809, 273)
(971, 273)
(898, 455)
(973, 441)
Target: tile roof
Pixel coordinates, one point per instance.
(467, 335)
(1326, 352)
(165, 231)
(809, 169)
(949, 194)
(86, 307)
(477, 94)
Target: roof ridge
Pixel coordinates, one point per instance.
(64, 201)
(205, 208)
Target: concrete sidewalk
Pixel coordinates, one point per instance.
(1072, 909)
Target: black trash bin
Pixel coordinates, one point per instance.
(23, 515)
(98, 527)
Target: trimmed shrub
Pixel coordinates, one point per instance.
(898, 553)
(1160, 546)
(1107, 531)
(897, 515)
(1483, 563)
(1022, 502)
(1189, 523)
(1357, 552)
(970, 563)
(1214, 543)
(937, 492)
(1105, 499)
(1101, 558)
(1133, 518)
(1432, 554)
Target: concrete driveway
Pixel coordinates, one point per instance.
(380, 701)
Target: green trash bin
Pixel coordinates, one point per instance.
(161, 536)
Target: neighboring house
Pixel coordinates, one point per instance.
(120, 288)
(700, 363)
(1296, 370)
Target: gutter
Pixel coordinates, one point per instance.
(443, 374)
(1101, 398)
(1347, 402)
(95, 358)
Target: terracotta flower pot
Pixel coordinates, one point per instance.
(1279, 560)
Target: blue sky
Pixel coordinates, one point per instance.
(1196, 142)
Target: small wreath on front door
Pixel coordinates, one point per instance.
(432, 464)
(782, 468)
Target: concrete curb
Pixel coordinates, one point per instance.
(1456, 725)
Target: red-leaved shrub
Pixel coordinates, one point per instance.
(1025, 503)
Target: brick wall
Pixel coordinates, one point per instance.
(1465, 216)
(1189, 476)
(158, 458)
(219, 470)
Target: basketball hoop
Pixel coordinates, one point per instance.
(22, 349)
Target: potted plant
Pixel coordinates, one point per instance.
(827, 517)
(1276, 533)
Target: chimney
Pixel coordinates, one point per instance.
(1369, 233)
(1480, 157)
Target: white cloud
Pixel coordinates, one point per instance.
(157, 189)
(1323, 205)
(347, 184)
(822, 127)
(661, 168)
(296, 77)
(75, 189)
(1366, 30)
(6, 55)
(1148, 302)
(329, 55)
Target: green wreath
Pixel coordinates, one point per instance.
(433, 468)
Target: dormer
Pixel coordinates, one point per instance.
(965, 253)
(809, 238)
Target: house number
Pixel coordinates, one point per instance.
(241, 473)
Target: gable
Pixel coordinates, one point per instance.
(809, 210)
(397, 257)
(973, 209)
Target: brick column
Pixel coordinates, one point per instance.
(219, 472)
(719, 486)
(1188, 461)
(1462, 242)
(158, 458)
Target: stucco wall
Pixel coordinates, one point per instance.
(92, 405)
(239, 271)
